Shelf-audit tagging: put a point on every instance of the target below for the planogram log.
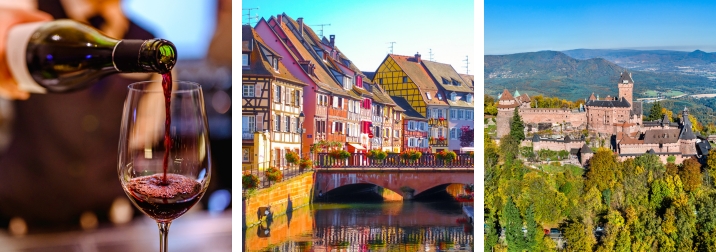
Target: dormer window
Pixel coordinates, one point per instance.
(245, 60)
(445, 81)
(625, 81)
(453, 96)
(274, 64)
(440, 97)
(428, 95)
(455, 82)
(469, 98)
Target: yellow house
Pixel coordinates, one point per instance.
(406, 77)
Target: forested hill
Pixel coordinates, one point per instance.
(553, 73)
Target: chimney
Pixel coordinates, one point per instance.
(279, 18)
(333, 41)
(417, 57)
(300, 27)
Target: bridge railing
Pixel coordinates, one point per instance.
(393, 160)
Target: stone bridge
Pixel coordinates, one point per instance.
(407, 182)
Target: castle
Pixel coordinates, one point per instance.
(618, 121)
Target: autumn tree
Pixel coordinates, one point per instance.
(491, 151)
(690, 174)
(705, 240)
(601, 170)
(517, 126)
(711, 163)
(578, 237)
(509, 147)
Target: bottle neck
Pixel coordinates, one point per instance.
(153, 55)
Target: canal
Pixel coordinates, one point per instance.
(362, 223)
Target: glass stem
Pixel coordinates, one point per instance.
(163, 235)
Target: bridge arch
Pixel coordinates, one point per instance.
(407, 182)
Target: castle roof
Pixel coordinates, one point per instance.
(506, 96)
(626, 76)
(592, 98)
(636, 109)
(661, 136)
(622, 103)
(585, 149)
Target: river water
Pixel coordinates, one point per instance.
(429, 225)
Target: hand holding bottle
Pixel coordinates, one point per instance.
(8, 18)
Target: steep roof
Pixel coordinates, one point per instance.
(469, 80)
(591, 97)
(409, 111)
(621, 103)
(442, 71)
(507, 101)
(324, 78)
(625, 76)
(661, 136)
(506, 96)
(370, 75)
(636, 109)
(417, 73)
(259, 64)
(585, 149)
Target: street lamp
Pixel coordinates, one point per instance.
(300, 122)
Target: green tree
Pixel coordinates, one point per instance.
(517, 126)
(492, 233)
(532, 236)
(706, 222)
(509, 148)
(491, 151)
(513, 226)
(655, 112)
(690, 174)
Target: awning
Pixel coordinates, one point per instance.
(356, 146)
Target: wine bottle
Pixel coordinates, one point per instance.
(65, 55)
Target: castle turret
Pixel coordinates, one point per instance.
(626, 86)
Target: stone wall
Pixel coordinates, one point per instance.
(503, 121)
(553, 145)
(559, 116)
(603, 119)
(643, 148)
(289, 194)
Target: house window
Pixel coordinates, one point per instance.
(248, 124)
(249, 90)
(455, 82)
(469, 98)
(423, 126)
(453, 96)
(405, 79)
(245, 156)
(288, 124)
(277, 123)
(440, 97)
(453, 114)
(453, 133)
(460, 113)
(441, 133)
(380, 81)
(468, 114)
(245, 60)
(445, 81)
(440, 113)
(274, 64)
(428, 95)
(277, 94)
(411, 125)
(396, 133)
(435, 113)
(297, 98)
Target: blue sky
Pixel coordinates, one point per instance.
(528, 26)
(364, 29)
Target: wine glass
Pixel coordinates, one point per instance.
(164, 172)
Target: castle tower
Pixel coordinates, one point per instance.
(626, 87)
(505, 110)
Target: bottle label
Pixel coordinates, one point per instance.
(18, 37)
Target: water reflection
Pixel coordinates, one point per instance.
(391, 226)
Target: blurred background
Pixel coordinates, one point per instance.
(201, 31)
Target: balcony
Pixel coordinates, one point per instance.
(393, 160)
(437, 142)
(438, 122)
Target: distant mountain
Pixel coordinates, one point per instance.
(694, 63)
(553, 73)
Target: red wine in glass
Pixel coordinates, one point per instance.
(167, 88)
(164, 197)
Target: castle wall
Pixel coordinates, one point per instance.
(546, 115)
(643, 148)
(553, 145)
(504, 115)
(602, 119)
